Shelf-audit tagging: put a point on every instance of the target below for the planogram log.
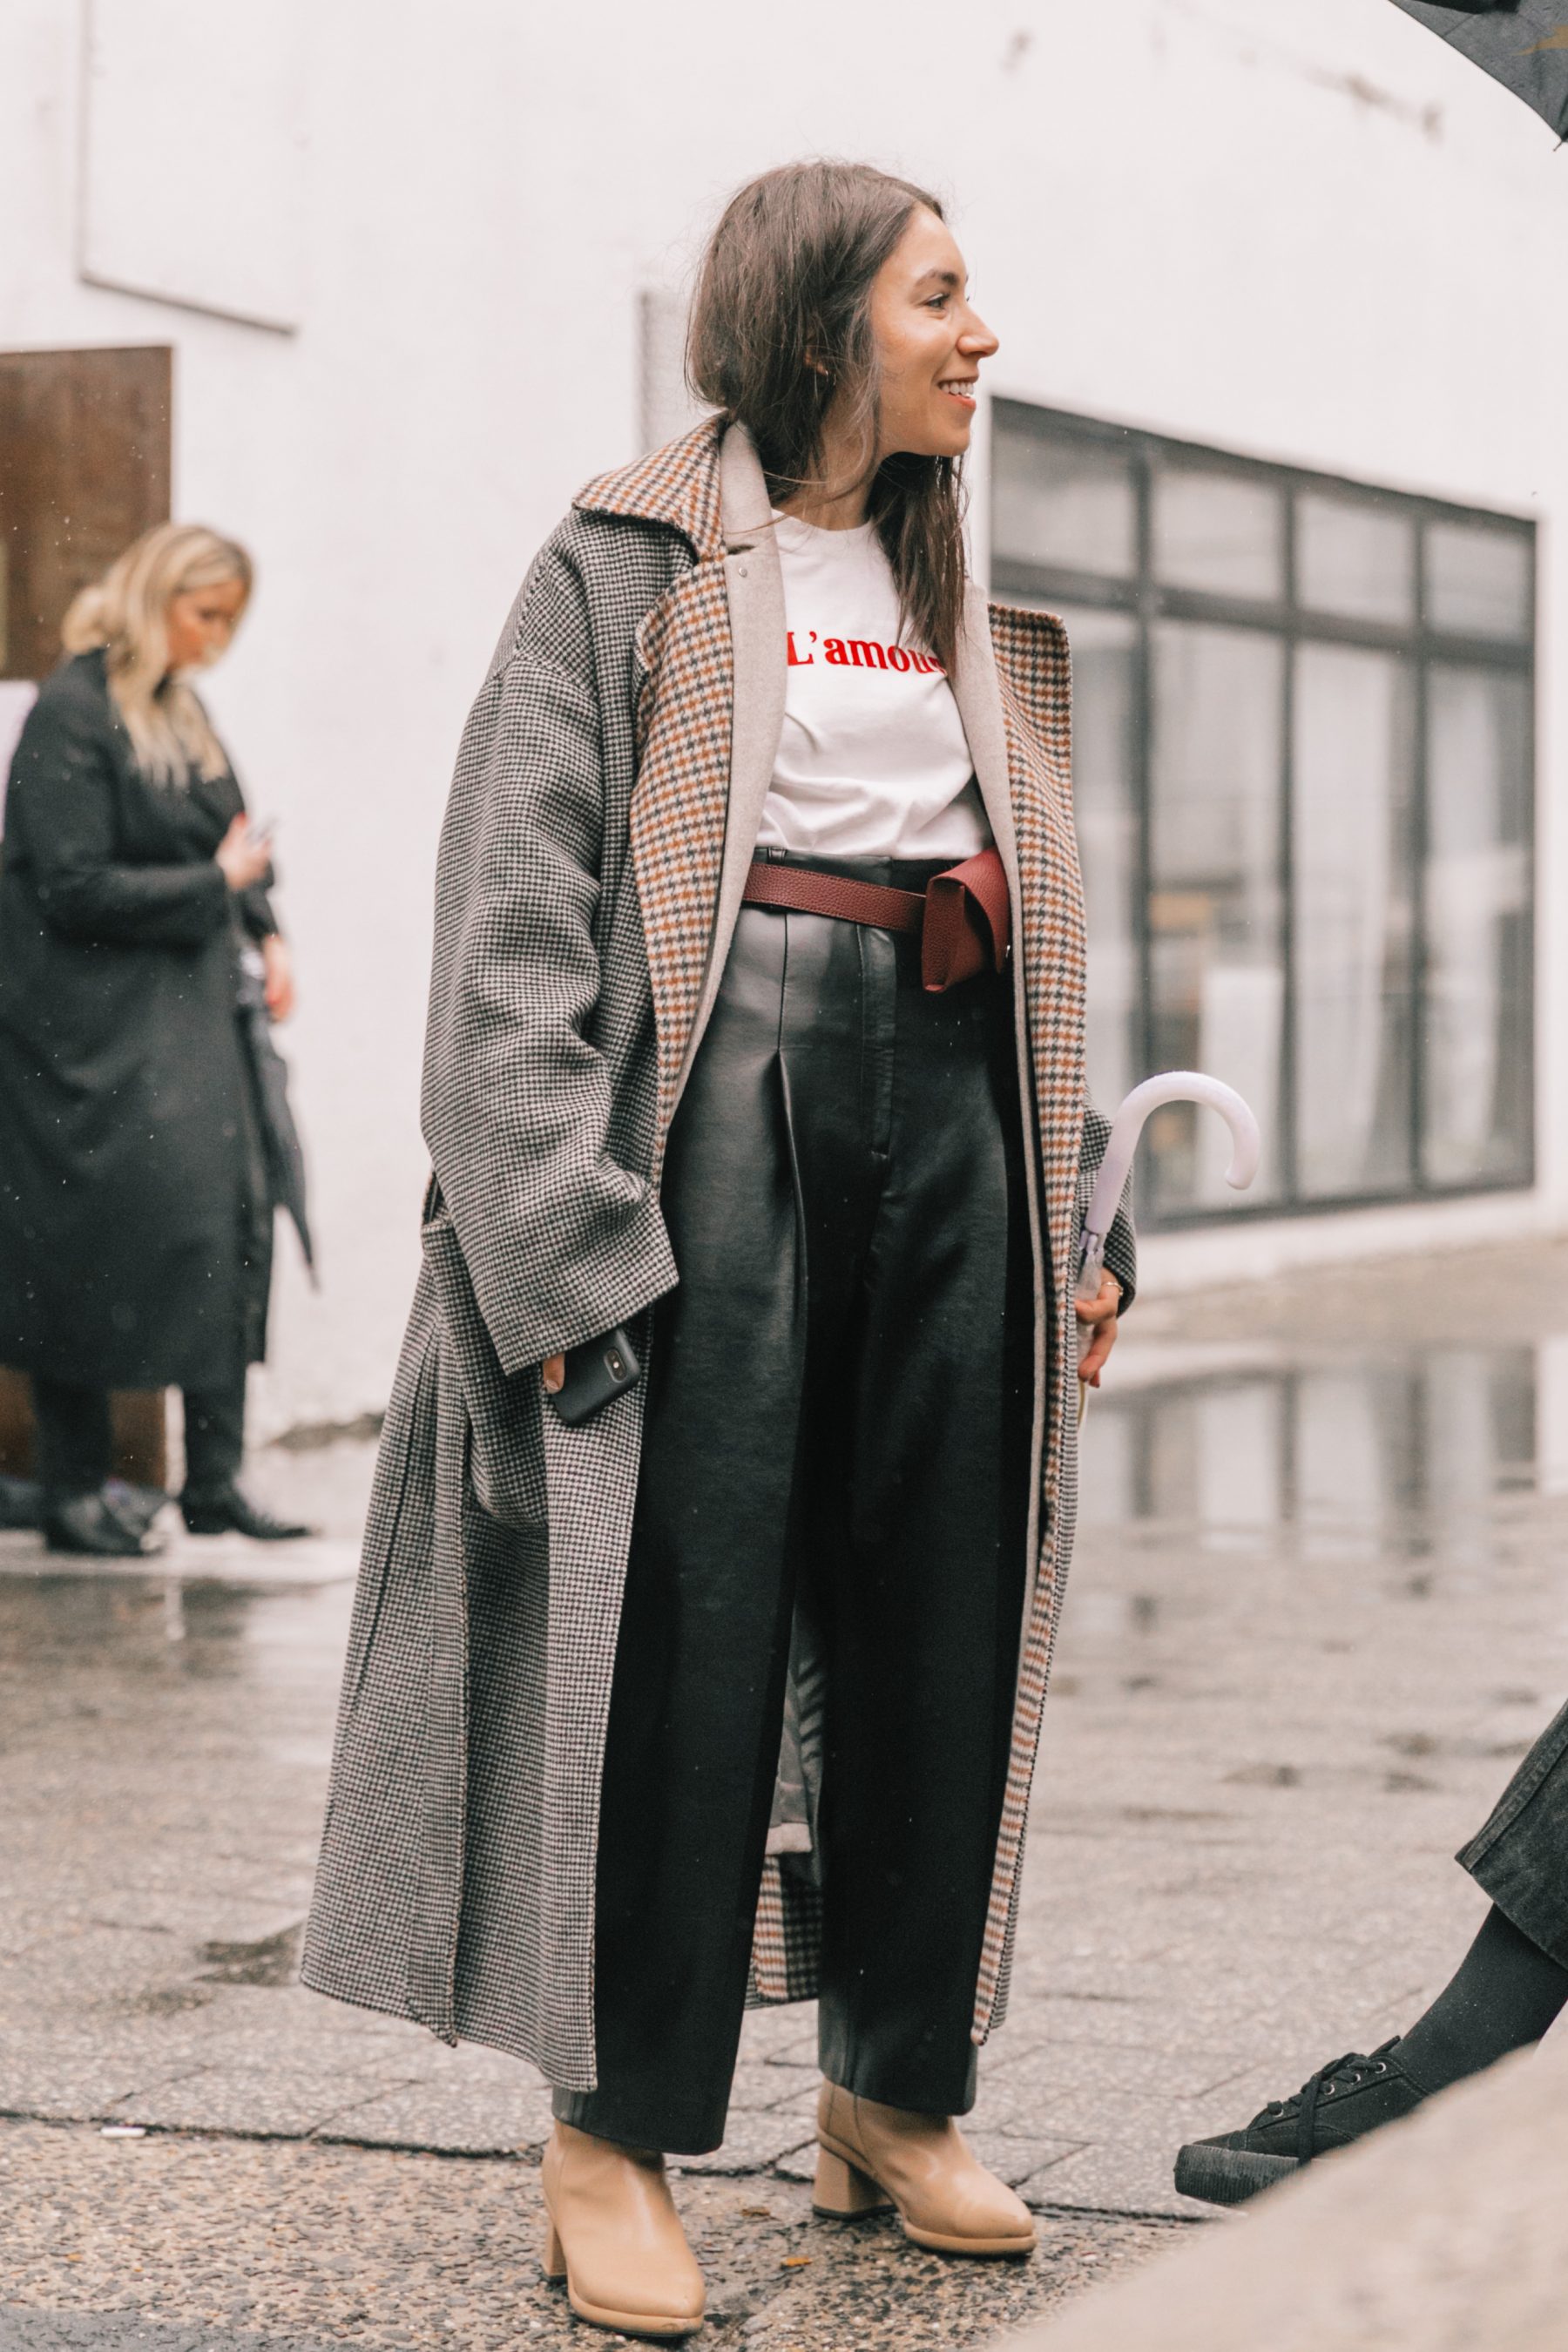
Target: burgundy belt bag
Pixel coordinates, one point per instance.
(968, 925)
(963, 917)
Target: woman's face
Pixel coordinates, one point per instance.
(929, 343)
(201, 622)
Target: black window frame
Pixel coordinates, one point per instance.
(1149, 602)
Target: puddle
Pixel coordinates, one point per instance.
(1358, 1458)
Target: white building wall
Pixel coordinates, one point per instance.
(1299, 229)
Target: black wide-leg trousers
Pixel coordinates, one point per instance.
(839, 1412)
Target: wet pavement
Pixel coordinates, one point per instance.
(1319, 1608)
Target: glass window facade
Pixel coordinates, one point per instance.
(1303, 778)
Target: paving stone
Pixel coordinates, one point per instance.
(474, 2119)
(1018, 2084)
(752, 2143)
(763, 2084)
(67, 2087)
(238, 2099)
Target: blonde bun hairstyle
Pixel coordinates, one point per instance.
(126, 613)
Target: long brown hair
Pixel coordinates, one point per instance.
(780, 324)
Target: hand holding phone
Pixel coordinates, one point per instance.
(596, 1371)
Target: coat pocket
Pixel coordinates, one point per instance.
(506, 1453)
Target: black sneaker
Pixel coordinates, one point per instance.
(1337, 2105)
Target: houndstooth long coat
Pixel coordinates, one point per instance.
(608, 795)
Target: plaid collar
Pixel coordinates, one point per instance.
(677, 486)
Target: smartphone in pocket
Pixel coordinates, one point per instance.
(596, 1371)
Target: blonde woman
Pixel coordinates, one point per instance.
(135, 1194)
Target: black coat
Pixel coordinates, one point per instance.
(135, 1222)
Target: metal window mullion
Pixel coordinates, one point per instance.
(1419, 833)
(1290, 1187)
(1143, 766)
(1531, 948)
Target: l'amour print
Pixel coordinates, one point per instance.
(858, 653)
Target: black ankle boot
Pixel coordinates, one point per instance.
(1337, 2105)
(224, 1510)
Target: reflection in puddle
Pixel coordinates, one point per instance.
(1352, 1457)
(274, 1960)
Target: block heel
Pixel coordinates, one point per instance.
(872, 2156)
(554, 2259)
(842, 2191)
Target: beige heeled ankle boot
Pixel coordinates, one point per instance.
(615, 2236)
(870, 2156)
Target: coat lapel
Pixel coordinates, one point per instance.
(753, 587)
(976, 689)
(710, 705)
(678, 807)
(1032, 684)
(1012, 687)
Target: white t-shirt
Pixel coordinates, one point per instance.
(873, 760)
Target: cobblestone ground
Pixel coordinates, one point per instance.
(1319, 1611)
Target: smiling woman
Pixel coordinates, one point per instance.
(832, 314)
(755, 1056)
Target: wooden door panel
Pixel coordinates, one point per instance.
(84, 469)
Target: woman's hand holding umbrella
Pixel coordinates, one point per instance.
(1096, 1293)
(1097, 1315)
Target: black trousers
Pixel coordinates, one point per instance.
(75, 1450)
(839, 1411)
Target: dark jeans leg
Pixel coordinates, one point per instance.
(214, 1434)
(1519, 1855)
(76, 1446)
(697, 1706)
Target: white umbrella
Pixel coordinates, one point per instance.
(1171, 1085)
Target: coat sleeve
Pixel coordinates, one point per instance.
(63, 794)
(561, 1242)
(1121, 1241)
(255, 911)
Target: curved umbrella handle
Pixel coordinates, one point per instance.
(1171, 1085)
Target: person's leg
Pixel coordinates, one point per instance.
(925, 1570)
(1513, 1982)
(214, 1434)
(1504, 1994)
(76, 1455)
(698, 1699)
(212, 1501)
(1520, 1854)
(75, 1444)
(1510, 1986)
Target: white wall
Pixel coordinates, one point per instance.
(1302, 228)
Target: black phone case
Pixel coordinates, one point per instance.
(596, 1371)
